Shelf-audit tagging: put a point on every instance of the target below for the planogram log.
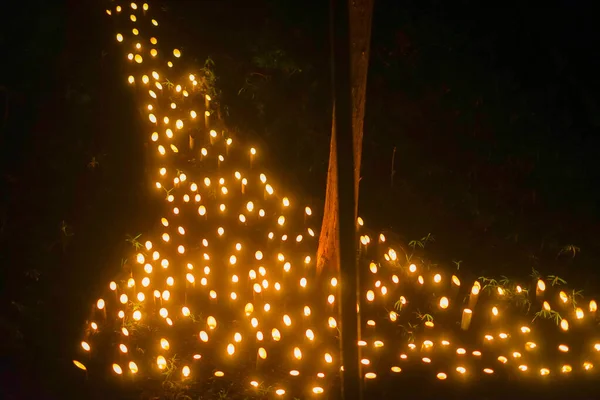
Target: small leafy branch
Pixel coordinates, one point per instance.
(171, 367)
(575, 294)
(133, 240)
(569, 249)
(489, 284)
(504, 281)
(548, 314)
(424, 317)
(399, 304)
(409, 331)
(535, 275)
(65, 229)
(168, 191)
(556, 280)
(168, 84)
(522, 301)
(421, 243)
(208, 79)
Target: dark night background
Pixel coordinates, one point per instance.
(493, 109)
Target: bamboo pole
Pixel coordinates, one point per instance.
(342, 114)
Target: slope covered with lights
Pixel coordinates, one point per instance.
(225, 287)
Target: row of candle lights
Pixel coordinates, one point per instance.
(230, 248)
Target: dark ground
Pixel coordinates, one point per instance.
(493, 112)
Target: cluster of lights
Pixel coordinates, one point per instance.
(227, 282)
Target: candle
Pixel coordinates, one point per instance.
(474, 295)
(252, 153)
(466, 319)
(540, 288)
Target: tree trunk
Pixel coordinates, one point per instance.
(361, 12)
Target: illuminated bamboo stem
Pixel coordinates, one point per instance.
(466, 319)
(474, 296)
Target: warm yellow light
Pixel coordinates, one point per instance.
(276, 334)
(370, 295)
(287, 320)
(530, 345)
(297, 353)
(117, 369)
(79, 365)
(262, 353)
(563, 296)
(541, 285)
(164, 343)
(212, 322)
(444, 303)
(563, 348)
(190, 278)
(203, 336)
(185, 371)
